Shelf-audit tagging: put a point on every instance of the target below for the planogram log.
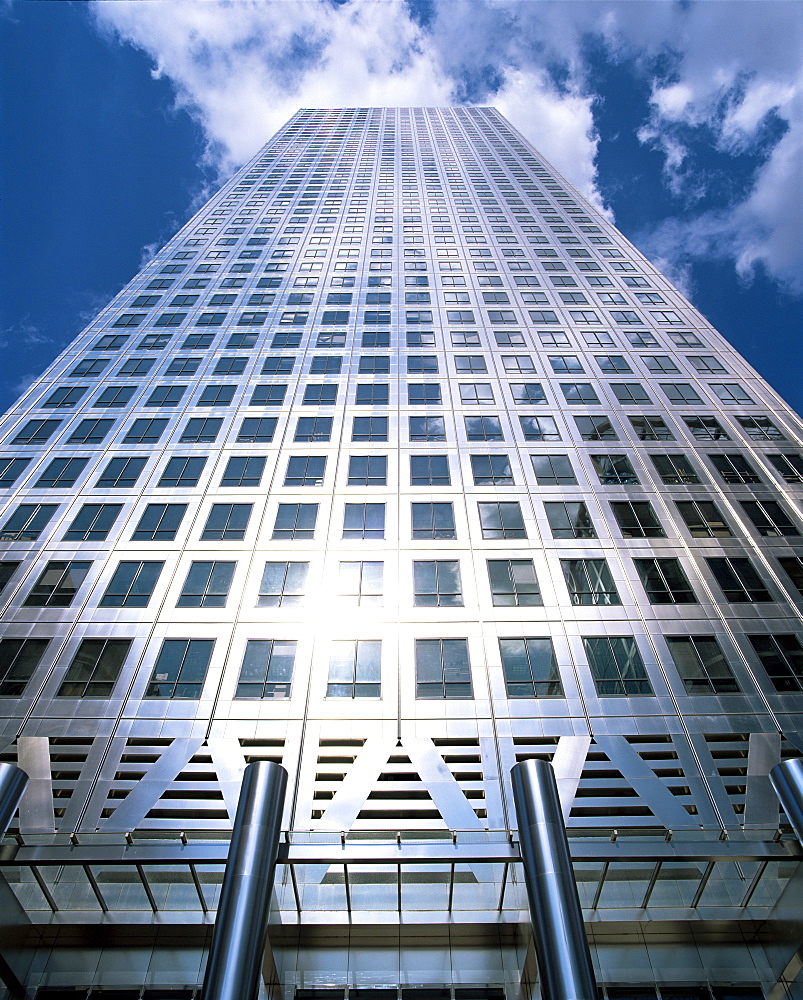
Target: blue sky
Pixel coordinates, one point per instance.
(684, 120)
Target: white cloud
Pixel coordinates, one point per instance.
(243, 68)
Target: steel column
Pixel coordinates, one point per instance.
(238, 942)
(561, 947)
(787, 780)
(12, 784)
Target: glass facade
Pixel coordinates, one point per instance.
(440, 473)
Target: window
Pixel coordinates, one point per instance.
(132, 585)
(364, 520)
(659, 364)
(530, 668)
(782, 658)
(790, 467)
(501, 520)
(769, 517)
(109, 343)
(569, 520)
(548, 338)
(129, 319)
(257, 430)
(427, 429)
(565, 363)
(436, 584)
(476, 393)
(10, 470)
(680, 393)
(62, 472)
(513, 583)
(527, 393)
(166, 395)
(579, 392)
(701, 664)
(491, 470)
(760, 429)
(159, 522)
(7, 569)
(375, 365)
(94, 669)
(90, 368)
(517, 364)
(354, 668)
(675, 470)
(613, 363)
(281, 365)
(590, 582)
(433, 520)
(442, 668)
(242, 471)
(90, 432)
(597, 428)
(36, 432)
(180, 668)
(198, 341)
(313, 429)
(731, 393)
(201, 430)
(361, 583)
(422, 363)
(226, 522)
(154, 342)
(793, 567)
(429, 470)
(470, 338)
(182, 472)
(367, 470)
(179, 366)
(215, 395)
(295, 521)
(267, 669)
(553, 470)
(616, 666)
(115, 396)
(372, 394)
(247, 341)
(738, 580)
(651, 429)
(230, 366)
(665, 581)
(305, 470)
(58, 584)
(705, 364)
(706, 429)
(734, 469)
(93, 522)
(614, 470)
(465, 364)
(283, 584)
(630, 392)
(207, 585)
(369, 429)
(637, 519)
(65, 396)
(424, 394)
(320, 395)
(483, 428)
(18, 660)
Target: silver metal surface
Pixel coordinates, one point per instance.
(12, 786)
(238, 942)
(787, 780)
(561, 947)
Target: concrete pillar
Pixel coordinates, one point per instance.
(12, 784)
(787, 780)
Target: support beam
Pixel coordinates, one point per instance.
(787, 780)
(238, 942)
(561, 947)
(12, 784)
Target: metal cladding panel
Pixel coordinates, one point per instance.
(416, 468)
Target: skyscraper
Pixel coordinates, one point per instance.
(397, 465)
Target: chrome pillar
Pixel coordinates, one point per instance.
(238, 942)
(12, 784)
(561, 947)
(787, 780)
